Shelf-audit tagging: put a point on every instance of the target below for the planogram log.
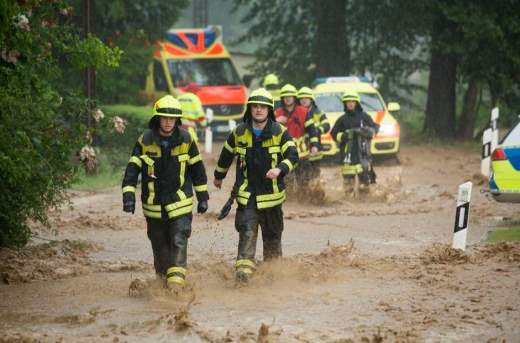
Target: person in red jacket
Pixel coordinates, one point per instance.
(301, 128)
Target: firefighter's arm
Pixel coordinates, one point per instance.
(312, 131)
(289, 154)
(338, 131)
(130, 178)
(371, 123)
(226, 157)
(197, 173)
(324, 123)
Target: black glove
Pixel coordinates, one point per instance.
(129, 202)
(347, 135)
(202, 206)
(366, 132)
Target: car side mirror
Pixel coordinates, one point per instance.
(393, 107)
(247, 79)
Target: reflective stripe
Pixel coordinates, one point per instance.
(183, 157)
(151, 214)
(309, 122)
(179, 204)
(288, 164)
(315, 140)
(339, 136)
(245, 263)
(129, 189)
(269, 204)
(287, 145)
(228, 148)
(151, 192)
(147, 160)
(195, 159)
(181, 194)
(179, 270)
(274, 149)
(274, 163)
(136, 160)
(221, 170)
(201, 188)
(180, 211)
(241, 151)
(176, 279)
(243, 196)
(351, 169)
(156, 208)
(269, 197)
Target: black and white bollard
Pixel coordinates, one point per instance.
(208, 134)
(494, 128)
(485, 164)
(460, 230)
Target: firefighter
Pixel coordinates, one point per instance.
(353, 132)
(170, 165)
(307, 100)
(265, 154)
(192, 114)
(301, 128)
(272, 84)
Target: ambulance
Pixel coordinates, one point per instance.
(196, 61)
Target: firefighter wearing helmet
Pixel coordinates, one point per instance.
(171, 169)
(272, 85)
(301, 127)
(307, 100)
(265, 154)
(353, 132)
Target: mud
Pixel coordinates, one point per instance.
(375, 269)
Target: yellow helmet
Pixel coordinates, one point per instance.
(351, 96)
(167, 106)
(288, 90)
(261, 96)
(270, 80)
(305, 92)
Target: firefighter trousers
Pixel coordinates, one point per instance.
(270, 221)
(169, 240)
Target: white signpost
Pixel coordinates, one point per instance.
(460, 230)
(485, 164)
(208, 134)
(494, 128)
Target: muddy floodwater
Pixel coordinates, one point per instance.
(374, 269)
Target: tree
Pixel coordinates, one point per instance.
(132, 26)
(42, 117)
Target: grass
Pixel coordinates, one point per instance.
(141, 112)
(511, 233)
(107, 176)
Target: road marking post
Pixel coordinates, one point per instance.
(485, 164)
(208, 134)
(460, 230)
(494, 127)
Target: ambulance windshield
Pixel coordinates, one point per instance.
(203, 72)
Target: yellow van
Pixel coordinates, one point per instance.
(328, 98)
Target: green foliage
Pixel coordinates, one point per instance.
(505, 234)
(41, 116)
(132, 26)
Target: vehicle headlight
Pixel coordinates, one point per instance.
(388, 130)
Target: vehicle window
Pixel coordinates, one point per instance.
(204, 72)
(371, 102)
(331, 102)
(158, 77)
(513, 137)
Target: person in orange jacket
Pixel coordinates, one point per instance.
(301, 128)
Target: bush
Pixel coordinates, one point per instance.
(41, 119)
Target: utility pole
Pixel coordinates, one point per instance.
(200, 13)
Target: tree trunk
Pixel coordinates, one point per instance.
(331, 47)
(440, 106)
(469, 110)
